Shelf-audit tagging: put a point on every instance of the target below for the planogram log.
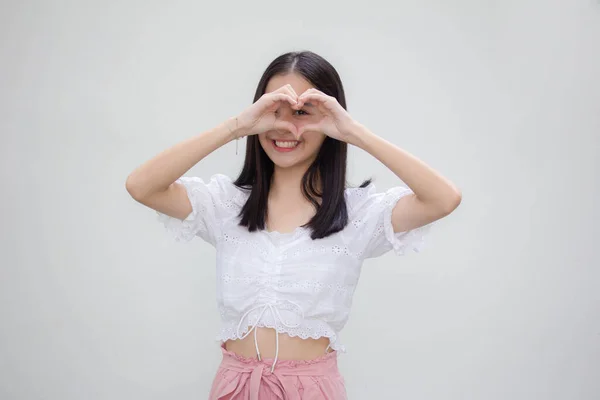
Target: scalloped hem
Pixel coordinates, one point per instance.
(179, 230)
(194, 224)
(335, 346)
(332, 336)
(413, 239)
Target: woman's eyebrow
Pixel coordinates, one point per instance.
(308, 105)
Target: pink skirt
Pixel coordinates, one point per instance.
(241, 378)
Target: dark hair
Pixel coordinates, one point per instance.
(329, 166)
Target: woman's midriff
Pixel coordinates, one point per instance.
(290, 347)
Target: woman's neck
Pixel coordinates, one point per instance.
(287, 182)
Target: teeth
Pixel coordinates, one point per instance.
(286, 144)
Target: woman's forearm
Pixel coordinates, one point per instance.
(427, 184)
(166, 167)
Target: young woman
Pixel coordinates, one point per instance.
(290, 235)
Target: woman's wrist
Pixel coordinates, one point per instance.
(233, 127)
(358, 135)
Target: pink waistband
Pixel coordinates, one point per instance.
(261, 370)
(318, 366)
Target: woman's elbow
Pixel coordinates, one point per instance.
(133, 187)
(453, 201)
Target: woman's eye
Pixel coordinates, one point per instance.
(305, 113)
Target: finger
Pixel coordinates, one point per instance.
(285, 88)
(281, 97)
(312, 91)
(309, 128)
(281, 125)
(289, 90)
(306, 97)
(292, 92)
(314, 95)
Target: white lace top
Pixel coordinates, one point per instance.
(288, 281)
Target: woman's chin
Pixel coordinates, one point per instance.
(288, 158)
(288, 162)
(285, 163)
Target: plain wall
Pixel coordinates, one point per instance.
(503, 98)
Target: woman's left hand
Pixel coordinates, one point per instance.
(335, 121)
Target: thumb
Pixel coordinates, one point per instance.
(280, 125)
(309, 128)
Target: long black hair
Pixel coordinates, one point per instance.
(328, 169)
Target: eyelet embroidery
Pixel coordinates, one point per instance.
(320, 276)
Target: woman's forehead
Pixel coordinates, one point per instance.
(297, 81)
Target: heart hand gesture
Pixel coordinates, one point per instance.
(335, 121)
(260, 116)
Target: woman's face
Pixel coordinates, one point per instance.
(280, 145)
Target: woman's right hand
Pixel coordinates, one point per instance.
(260, 116)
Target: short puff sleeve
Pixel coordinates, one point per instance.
(371, 213)
(210, 208)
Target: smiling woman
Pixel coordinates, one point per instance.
(290, 235)
(305, 149)
(299, 153)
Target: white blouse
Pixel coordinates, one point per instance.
(288, 281)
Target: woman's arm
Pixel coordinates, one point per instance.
(153, 183)
(434, 196)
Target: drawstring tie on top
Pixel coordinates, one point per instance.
(273, 307)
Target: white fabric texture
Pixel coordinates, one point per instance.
(288, 281)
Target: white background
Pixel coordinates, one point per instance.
(503, 98)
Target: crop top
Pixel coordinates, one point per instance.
(288, 281)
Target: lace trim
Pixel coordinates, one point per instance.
(195, 223)
(413, 239)
(304, 332)
(180, 231)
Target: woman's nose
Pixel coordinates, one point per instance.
(287, 114)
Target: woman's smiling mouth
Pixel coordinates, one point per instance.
(285, 145)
